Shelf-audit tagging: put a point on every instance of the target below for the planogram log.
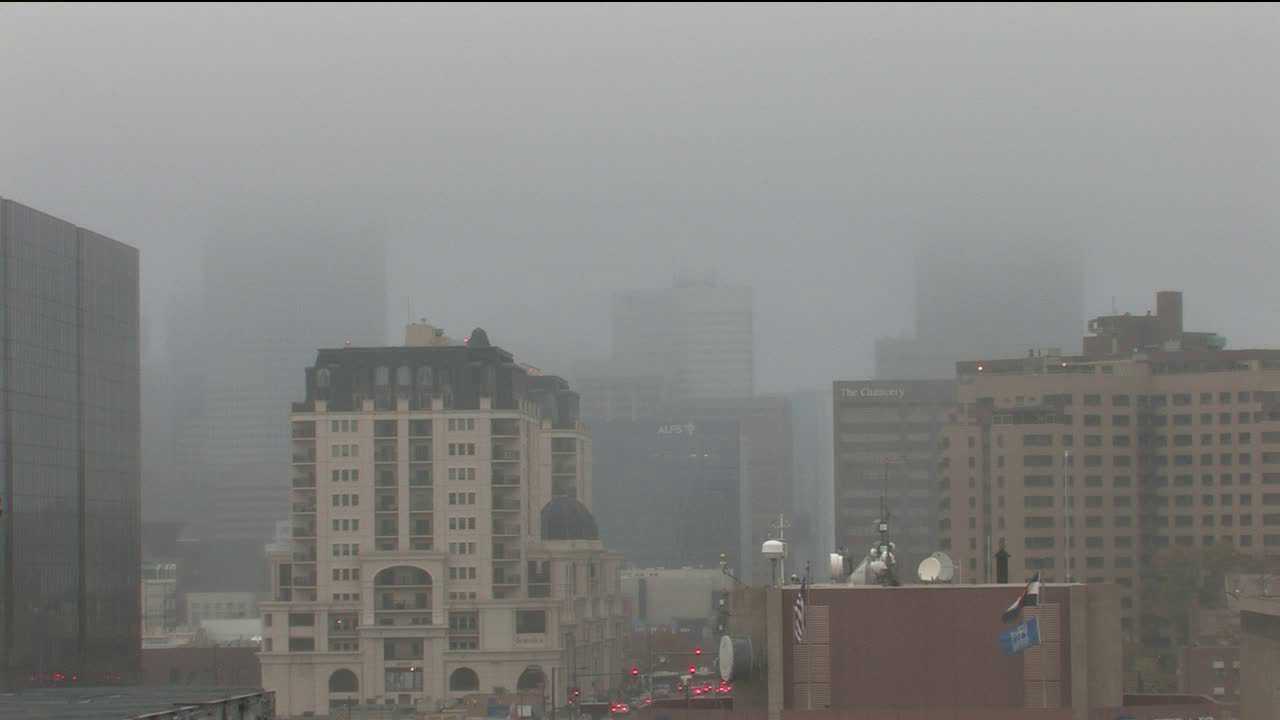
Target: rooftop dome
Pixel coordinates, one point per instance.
(478, 339)
(564, 518)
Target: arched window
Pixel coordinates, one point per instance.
(382, 376)
(322, 377)
(343, 681)
(424, 375)
(402, 376)
(464, 680)
(402, 575)
(531, 679)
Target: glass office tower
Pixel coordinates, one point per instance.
(69, 453)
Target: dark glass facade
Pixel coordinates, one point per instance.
(666, 493)
(69, 452)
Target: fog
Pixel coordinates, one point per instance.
(524, 163)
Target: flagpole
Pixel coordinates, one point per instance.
(808, 655)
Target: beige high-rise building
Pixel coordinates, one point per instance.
(442, 542)
(1083, 467)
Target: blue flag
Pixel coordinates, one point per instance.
(1022, 636)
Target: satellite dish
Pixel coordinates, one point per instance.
(735, 658)
(948, 566)
(837, 565)
(930, 570)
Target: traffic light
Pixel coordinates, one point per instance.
(697, 651)
(635, 671)
(693, 670)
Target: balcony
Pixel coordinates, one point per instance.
(384, 451)
(420, 451)
(304, 452)
(302, 429)
(303, 507)
(304, 531)
(386, 501)
(504, 455)
(304, 477)
(298, 581)
(305, 553)
(505, 505)
(421, 500)
(342, 624)
(504, 428)
(505, 479)
(402, 600)
(502, 578)
(502, 529)
(503, 553)
(419, 475)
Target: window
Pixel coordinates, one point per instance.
(1120, 420)
(1093, 501)
(1039, 542)
(1039, 481)
(1035, 522)
(462, 449)
(1181, 419)
(1092, 400)
(462, 474)
(1120, 441)
(1093, 441)
(531, 622)
(1092, 420)
(1181, 440)
(462, 498)
(1094, 562)
(1038, 501)
(462, 523)
(1122, 481)
(302, 619)
(1037, 440)
(462, 424)
(1093, 481)
(1206, 418)
(1120, 400)
(1093, 521)
(1181, 399)
(301, 644)
(407, 679)
(1224, 418)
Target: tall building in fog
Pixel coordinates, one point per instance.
(979, 298)
(813, 533)
(697, 336)
(70, 535)
(887, 444)
(442, 539)
(681, 432)
(272, 293)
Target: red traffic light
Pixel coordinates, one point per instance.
(693, 670)
(697, 651)
(635, 671)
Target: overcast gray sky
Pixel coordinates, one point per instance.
(527, 160)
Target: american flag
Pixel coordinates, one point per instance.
(798, 610)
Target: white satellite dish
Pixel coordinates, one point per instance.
(947, 571)
(837, 565)
(930, 569)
